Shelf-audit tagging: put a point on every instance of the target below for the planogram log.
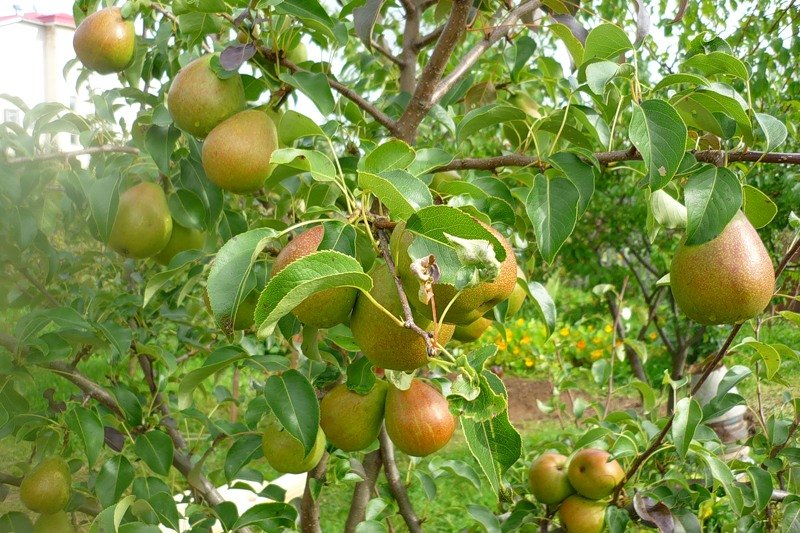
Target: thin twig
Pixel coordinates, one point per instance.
(396, 486)
(427, 39)
(39, 287)
(616, 327)
(383, 242)
(309, 507)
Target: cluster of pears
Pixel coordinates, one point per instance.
(577, 486)
(418, 421)
(726, 280)
(144, 227)
(46, 490)
(238, 141)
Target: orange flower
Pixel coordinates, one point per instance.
(526, 339)
(581, 344)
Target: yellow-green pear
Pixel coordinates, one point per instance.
(53, 523)
(323, 309)
(143, 224)
(592, 474)
(581, 515)
(236, 153)
(382, 341)
(104, 41)
(180, 240)
(198, 100)
(726, 280)
(547, 478)
(284, 453)
(352, 421)
(46, 488)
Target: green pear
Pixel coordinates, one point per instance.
(323, 309)
(180, 240)
(143, 225)
(236, 153)
(418, 420)
(592, 475)
(298, 54)
(471, 303)
(580, 515)
(198, 100)
(104, 41)
(726, 280)
(472, 332)
(440, 178)
(352, 421)
(46, 488)
(53, 523)
(382, 341)
(284, 453)
(547, 478)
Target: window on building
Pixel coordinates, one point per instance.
(11, 115)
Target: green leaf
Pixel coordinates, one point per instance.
(768, 354)
(717, 63)
(272, 516)
(790, 522)
(483, 117)
(315, 86)
(399, 191)
(605, 41)
(659, 133)
(308, 275)
(160, 142)
(579, 172)
(312, 161)
(305, 9)
(759, 208)
(89, 428)
(573, 45)
(679, 79)
(156, 282)
(245, 448)
(599, 74)
(114, 478)
(761, 481)
(103, 197)
(545, 307)
(295, 126)
(617, 519)
(708, 108)
(713, 197)
(485, 517)
(721, 474)
(392, 155)
(427, 159)
(195, 26)
(220, 359)
(688, 415)
(360, 377)
(230, 273)
(15, 522)
(294, 402)
(494, 443)
(552, 206)
(774, 130)
(155, 448)
(667, 211)
(187, 209)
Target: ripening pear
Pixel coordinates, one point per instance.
(104, 41)
(198, 100)
(382, 341)
(726, 280)
(474, 331)
(581, 515)
(53, 523)
(325, 308)
(180, 240)
(470, 303)
(143, 224)
(418, 420)
(547, 478)
(236, 153)
(352, 421)
(284, 453)
(592, 474)
(46, 488)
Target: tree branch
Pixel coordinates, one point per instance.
(383, 241)
(345, 91)
(396, 486)
(471, 57)
(309, 507)
(421, 102)
(704, 156)
(38, 285)
(385, 52)
(105, 149)
(425, 40)
(363, 491)
(408, 64)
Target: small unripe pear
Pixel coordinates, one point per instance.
(180, 240)
(46, 488)
(53, 523)
(352, 421)
(284, 453)
(143, 224)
